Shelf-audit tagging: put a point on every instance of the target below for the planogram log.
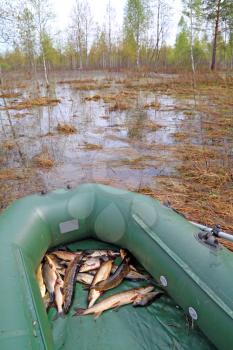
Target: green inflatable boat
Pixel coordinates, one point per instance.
(196, 274)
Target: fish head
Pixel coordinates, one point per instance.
(146, 290)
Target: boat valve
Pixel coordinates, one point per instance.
(208, 238)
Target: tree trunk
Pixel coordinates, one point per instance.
(45, 68)
(138, 50)
(191, 38)
(216, 30)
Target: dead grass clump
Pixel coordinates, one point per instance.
(65, 128)
(11, 174)
(9, 145)
(43, 160)
(151, 125)
(119, 106)
(10, 94)
(105, 117)
(91, 146)
(195, 153)
(180, 136)
(93, 98)
(154, 105)
(188, 113)
(86, 85)
(211, 176)
(49, 133)
(37, 102)
(77, 81)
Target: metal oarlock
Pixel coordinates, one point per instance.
(215, 232)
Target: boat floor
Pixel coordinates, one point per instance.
(162, 325)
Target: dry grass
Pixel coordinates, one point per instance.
(86, 85)
(91, 146)
(65, 128)
(105, 116)
(9, 86)
(10, 94)
(11, 174)
(188, 113)
(151, 125)
(78, 81)
(180, 136)
(93, 98)
(9, 145)
(119, 106)
(37, 102)
(43, 160)
(154, 105)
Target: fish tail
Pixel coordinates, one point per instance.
(59, 314)
(87, 287)
(51, 297)
(153, 282)
(79, 312)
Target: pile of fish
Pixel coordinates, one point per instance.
(61, 269)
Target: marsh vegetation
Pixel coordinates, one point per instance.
(126, 110)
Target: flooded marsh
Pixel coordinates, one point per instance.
(154, 135)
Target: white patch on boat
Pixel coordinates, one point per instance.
(69, 226)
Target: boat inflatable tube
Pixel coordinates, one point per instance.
(197, 276)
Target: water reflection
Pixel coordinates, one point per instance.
(121, 143)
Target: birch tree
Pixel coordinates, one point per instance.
(27, 37)
(136, 23)
(42, 13)
(82, 23)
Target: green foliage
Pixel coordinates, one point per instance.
(52, 55)
(132, 45)
(136, 22)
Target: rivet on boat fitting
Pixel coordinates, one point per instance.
(193, 313)
(163, 281)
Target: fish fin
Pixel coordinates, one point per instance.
(153, 282)
(59, 314)
(51, 297)
(79, 312)
(87, 287)
(136, 300)
(97, 314)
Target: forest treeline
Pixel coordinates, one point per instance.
(204, 38)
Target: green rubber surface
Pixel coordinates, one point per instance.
(163, 242)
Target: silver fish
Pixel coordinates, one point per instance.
(114, 301)
(50, 277)
(101, 275)
(147, 299)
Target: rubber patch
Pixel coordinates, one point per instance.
(69, 226)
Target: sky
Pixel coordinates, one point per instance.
(62, 10)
